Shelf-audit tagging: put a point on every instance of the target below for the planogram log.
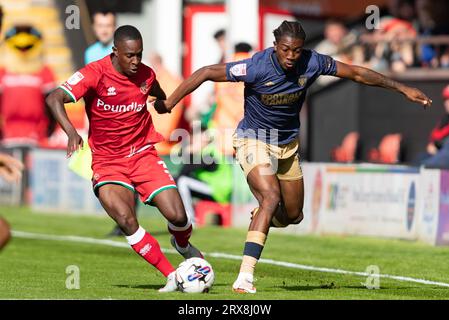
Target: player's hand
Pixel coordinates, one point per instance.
(417, 96)
(10, 168)
(160, 106)
(432, 149)
(74, 144)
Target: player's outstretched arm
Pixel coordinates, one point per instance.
(55, 102)
(216, 73)
(373, 78)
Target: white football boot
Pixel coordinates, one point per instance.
(244, 284)
(171, 285)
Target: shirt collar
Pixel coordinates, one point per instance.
(275, 62)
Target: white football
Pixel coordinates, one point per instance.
(195, 275)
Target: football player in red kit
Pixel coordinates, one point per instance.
(122, 138)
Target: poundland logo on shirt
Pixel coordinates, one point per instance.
(133, 106)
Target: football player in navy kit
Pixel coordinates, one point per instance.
(267, 139)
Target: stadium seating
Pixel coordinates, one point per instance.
(205, 207)
(346, 152)
(388, 151)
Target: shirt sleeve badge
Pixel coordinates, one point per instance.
(238, 70)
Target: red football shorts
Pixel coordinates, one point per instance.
(144, 173)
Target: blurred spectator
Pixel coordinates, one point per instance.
(229, 104)
(24, 82)
(437, 155)
(165, 124)
(205, 109)
(432, 18)
(220, 37)
(444, 61)
(335, 41)
(103, 24)
(205, 175)
(395, 38)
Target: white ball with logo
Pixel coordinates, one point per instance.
(195, 275)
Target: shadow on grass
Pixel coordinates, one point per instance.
(154, 286)
(332, 286)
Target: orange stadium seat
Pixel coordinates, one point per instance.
(205, 207)
(389, 150)
(346, 152)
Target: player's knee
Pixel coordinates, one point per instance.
(179, 220)
(177, 216)
(270, 199)
(127, 223)
(298, 218)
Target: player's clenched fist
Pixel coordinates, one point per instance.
(74, 143)
(160, 106)
(416, 95)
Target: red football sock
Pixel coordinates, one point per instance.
(181, 234)
(148, 248)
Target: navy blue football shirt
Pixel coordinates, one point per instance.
(273, 96)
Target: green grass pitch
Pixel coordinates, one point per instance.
(36, 269)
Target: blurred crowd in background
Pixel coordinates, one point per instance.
(411, 34)
(398, 43)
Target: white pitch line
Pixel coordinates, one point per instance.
(111, 243)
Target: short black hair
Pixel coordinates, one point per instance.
(220, 33)
(126, 32)
(243, 47)
(291, 29)
(104, 13)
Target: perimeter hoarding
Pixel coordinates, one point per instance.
(56, 188)
(370, 200)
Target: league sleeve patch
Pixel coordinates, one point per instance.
(238, 70)
(75, 78)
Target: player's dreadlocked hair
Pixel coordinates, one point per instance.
(289, 28)
(126, 32)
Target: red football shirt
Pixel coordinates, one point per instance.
(120, 124)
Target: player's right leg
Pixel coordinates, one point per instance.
(119, 203)
(255, 161)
